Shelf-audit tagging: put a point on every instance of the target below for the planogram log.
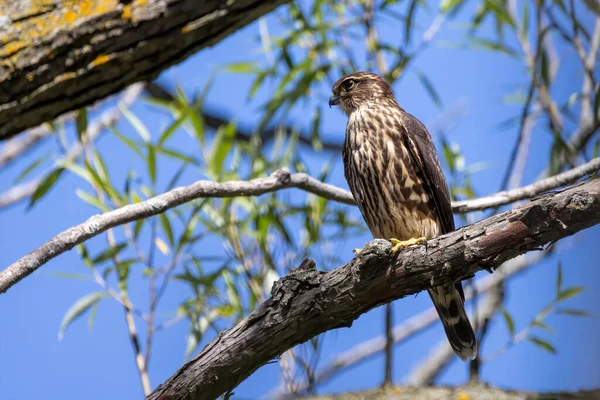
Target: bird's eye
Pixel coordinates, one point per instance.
(349, 84)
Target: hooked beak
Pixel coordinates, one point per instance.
(334, 100)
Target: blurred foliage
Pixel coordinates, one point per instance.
(263, 237)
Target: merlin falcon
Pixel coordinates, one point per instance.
(396, 178)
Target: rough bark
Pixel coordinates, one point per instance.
(470, 392)
(57, 56)
(308, 302)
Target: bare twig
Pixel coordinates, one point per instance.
(528, 191)
(308, 302)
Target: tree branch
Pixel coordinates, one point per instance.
(413, 325)
(58, 56)
(479, 392)
(308, 302)
(280, 179)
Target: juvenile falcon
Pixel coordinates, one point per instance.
(395, 176)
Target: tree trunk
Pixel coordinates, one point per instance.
(57, 56)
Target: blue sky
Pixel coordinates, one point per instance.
(99, 364)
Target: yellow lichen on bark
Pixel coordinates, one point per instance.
(44, 17)
(101, 59)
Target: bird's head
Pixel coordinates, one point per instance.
(354, 90)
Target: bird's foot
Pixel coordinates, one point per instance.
(402, 244)
(357, 251)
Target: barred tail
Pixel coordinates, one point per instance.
(449, 303)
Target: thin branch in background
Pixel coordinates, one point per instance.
(140, 360)
(389, 345)
(17, 146)
(426, 372)
(528, 191)
(108, 118)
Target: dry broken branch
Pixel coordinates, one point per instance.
(308, 302)
(59, 56)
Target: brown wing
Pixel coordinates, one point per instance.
(425, 158)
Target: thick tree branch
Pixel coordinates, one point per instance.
(281, 179)
(413, 325)
(477, 392)
(308, 302)
(58, 56)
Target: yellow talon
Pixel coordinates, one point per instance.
(356, 251)
(402, 244)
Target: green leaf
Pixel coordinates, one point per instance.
(409, 19)
(542, 343)
(69, 275)
(498, 7)
(540, 324)
(139, 127)
(447, 5)
(430, 89)
(81, 123)
(486, 44)
(45, 185)
(573, 312)
(109, 253)
(151, 161)
(30, 169)
(91, 200)
(509, 322)
(166, 225)
(78, 308)
(130, 143)
(568, 293)
(545, 68)
(559, 279)
(242, 67)
(597, 105)
(232, 293)
(315, 138)
(92, 317)
(221, 146)
(173, 127)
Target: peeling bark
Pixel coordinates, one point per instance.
(308, 302)
(57, 56)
